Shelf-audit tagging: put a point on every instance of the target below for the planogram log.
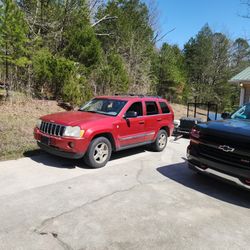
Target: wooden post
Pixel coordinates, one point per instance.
(216, 111)
(195, 106)
(208, 110)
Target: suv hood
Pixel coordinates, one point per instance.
(74, 118)
(229, 128)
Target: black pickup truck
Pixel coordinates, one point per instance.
(222, 148)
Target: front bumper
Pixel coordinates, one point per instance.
(229, 172)
(58, 152)
(219, 175)
(73, 148)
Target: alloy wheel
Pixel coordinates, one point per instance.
(162, 141)
(101, 152)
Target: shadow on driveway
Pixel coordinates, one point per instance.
(206, 184)
(59, 162)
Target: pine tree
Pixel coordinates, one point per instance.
(13, 38)
(170, 73)
(240, 55)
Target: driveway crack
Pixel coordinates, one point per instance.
(49, 220)
(55, 236)
(41, 229)
(61, 242)
(139, 172)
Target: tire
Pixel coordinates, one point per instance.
(160, 142)
(98, 153)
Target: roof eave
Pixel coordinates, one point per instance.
(239, 81)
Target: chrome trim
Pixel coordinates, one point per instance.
(221, 175)
(51, 128)
(136, 136)
(226, 148)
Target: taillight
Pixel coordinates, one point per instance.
(195, 133)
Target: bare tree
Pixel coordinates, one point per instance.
(247, 4)
(154, 21)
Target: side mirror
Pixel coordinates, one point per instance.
(225, 115)
(130, 114)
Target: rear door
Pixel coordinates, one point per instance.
(131, 130)
(152, 120)
(167, 115)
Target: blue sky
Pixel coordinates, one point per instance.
(188, 16)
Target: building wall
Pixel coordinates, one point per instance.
(247, 94)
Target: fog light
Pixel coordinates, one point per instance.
(71, 144)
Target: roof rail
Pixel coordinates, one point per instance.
(138, 95)
(126, 94)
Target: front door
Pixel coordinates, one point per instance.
(131, 130)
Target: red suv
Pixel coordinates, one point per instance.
(106, 124)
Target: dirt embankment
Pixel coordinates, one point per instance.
(17, 121)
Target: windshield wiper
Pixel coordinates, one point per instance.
(97, 112)
(89, 111)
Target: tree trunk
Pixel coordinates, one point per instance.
(6, 72)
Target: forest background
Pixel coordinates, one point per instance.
(72, 50)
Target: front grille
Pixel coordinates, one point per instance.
(231, 158)
(52, 128)
(240, 142)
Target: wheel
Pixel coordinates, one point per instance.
(98, 153)
(160, 142)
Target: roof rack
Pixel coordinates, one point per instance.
(137, 95)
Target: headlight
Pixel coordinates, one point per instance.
(38, 123)
(73, 132)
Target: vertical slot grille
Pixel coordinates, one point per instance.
(52, 128)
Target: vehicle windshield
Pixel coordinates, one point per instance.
(104, 106)
(242, 113)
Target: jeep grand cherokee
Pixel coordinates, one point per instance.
(106, 124)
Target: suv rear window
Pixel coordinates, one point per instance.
(164, 108)
(152, 108)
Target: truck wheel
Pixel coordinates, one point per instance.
(161, 141)
(98, 153)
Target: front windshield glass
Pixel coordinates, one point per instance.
(104, 106)
(242, 113)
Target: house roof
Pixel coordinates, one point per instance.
(243, 76)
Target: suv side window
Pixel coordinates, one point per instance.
(164, 108)
(152, 108)
(137, 107)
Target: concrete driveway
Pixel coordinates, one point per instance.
(140, 200)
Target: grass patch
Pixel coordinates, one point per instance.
(17, 120)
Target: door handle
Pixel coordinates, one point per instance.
(141, 122)
(159, 119)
